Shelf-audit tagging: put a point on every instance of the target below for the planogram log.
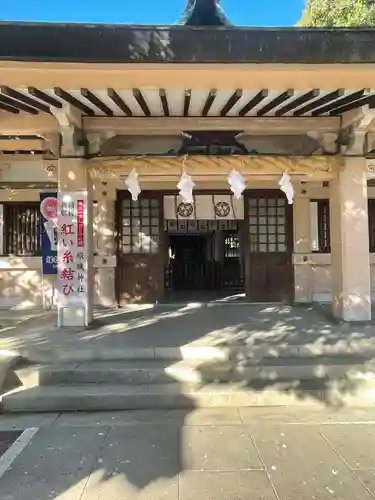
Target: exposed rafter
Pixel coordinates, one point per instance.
(164, 102)
(14, 94)
(253, 102)
(232, 101)
(73, 101)
(276, 102)
(209, 102)
(112, 94)
(91, 97)
(142, 102)
(42, 96)
(295, 103)
(187, 100)
(354, 105)
(320, 102)
(9, 109)
(338, 103)
(18, 105)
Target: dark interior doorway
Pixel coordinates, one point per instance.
(204, 266)
(189, 267)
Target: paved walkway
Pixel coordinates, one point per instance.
(191, 325)
(257, 454)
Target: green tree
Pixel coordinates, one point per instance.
(338, 13)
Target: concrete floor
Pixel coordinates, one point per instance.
(216, 324)
(234, 454)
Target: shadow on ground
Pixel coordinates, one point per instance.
(104, 461)
(297, 350)
(132, 459)
(216, 324)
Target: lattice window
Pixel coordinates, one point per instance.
(22, 236)
(267, 225)
(140, 226)
(320, 226)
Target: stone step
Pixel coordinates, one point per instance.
(194, 371)
(96, 397)
(313, 349)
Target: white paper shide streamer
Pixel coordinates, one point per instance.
(133, 184)
(186, 186)
(286, 186)
(237, 183)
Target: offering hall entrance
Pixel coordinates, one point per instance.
(215, 248)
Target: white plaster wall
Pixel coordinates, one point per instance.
(318, 278)
(22, 283)
(21, 280)
(314, 276)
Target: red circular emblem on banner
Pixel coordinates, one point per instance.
(49, 208)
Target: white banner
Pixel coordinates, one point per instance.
(228, 207)
(72, 249)
(205, 207)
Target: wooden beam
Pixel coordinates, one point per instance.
(187, 101)
(18, 105)
(254, 101)
(297, 102)
(22, 144)
(73, 101)
(214, 166)
(276, 102)
(164, 101)
(138, 96)
(23, 124)
(354, 105)
(232, 101)
(339, 103)
(209, 102)
(175, 125)
(91, 97)
(14, 94)
(44, 97)
(18, 186)
(320, 102)
(112, 94)
(302, 77)
(9, 109)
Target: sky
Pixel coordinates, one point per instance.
(240, 12)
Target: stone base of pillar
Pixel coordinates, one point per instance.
(352, 308)
(68, 317)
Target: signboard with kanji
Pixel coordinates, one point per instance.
(49, 214)
(73, 251)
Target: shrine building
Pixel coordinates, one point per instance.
(100, 124)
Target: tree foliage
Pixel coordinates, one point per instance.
(339, 13)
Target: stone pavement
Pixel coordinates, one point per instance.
(216, 324)
(233, 454)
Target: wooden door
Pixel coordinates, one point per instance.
(269, 267)
(140, 267)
